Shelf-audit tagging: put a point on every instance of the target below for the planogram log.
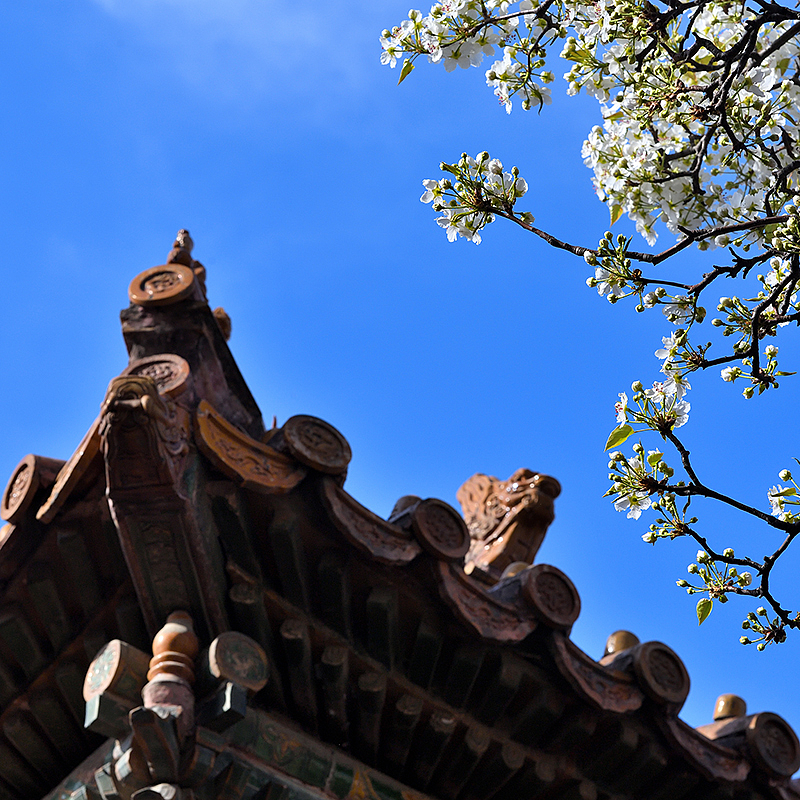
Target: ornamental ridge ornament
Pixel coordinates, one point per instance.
(71, 473)
(382, 540)
(252, 464)
(507, 520)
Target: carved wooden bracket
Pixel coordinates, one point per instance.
(160, 753)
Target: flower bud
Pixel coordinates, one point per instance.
(636, 386)
(661, 291)
(682, 583)
(760, 646)
(728, 552)
(744, 640)
(746, 625)
(693, 569)
(761, 611)
(702, 557)
(785, 475)
(748, 392)
(590, 258)
(745, 579)
(717, 323)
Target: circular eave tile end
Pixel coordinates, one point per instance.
(552, 596)
(661, 673)
(20, 490)
(169, 371)
(317, 444)
(773, 744)
(162, 286)
(440, 530)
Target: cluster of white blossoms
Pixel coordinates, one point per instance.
(459, 33)
(480, 184)
(783, 498)
(700, 133)
(685, 139)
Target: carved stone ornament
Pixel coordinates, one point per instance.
(507, 520)
(162, 286)
(252, 464)
(552, 596)
(71, 473)
(317, 444)
(440, 530)
(608, 689)
(385, 542)
(490, 617)
(170, 372)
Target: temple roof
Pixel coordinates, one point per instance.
(423, 653)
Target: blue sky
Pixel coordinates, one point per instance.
(273, 134)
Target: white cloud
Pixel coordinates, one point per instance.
(241, 47)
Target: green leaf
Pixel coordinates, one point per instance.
(616, 213)
(407, 69)
(704, 607)
(785, 493)
(654, 458)
(618, 436)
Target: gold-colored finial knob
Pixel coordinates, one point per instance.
(619, 641)
(175, 648)
(729, 705)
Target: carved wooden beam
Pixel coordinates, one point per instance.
(174, 562)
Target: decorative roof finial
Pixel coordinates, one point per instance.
(729, 705)
(181, 249)
(184, 241)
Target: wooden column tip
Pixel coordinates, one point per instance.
(729, 705)
(175, 648)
